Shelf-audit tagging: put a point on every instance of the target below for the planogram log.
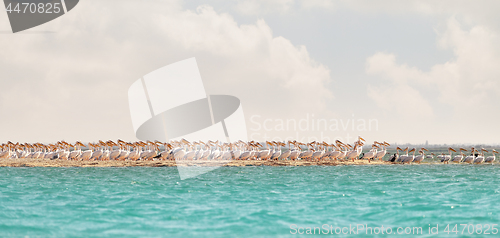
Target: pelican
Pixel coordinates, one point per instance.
(97, 153)
(356, 151)
(135, 154)
(480, 158)
(114, 153)
(287, 153)
(125, 150)
(75, 154)
(408, 158)
(430, 156)
(106, 152)
(234, 153)
(421, 157)
(440, 157)
(446, 159)
(371, 154)
(402, 157)
(305, 155)
(262, 155)
(178, 153)
(294, 154)
(459, 158)
(491, 158)
(64, 152)
(6, 153)
(245, 155)
(226, 153)
(277, 152)
(470, 159)
(336, 153)
(317, 154)
(216, 153)
(344, 152)
(380, 154)
(87, 154)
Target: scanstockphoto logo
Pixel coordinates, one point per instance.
(26, 14)
(170, 104)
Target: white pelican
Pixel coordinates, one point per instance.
(446, 159)
(380, 154)
(421, 157)
(262, 155)
(226, 154)
(371, 154)
(440, 157)
(64, 152)
(178, 153)
(305, 155)
(87, 154)
(402, 157)
(277, 152)
(135, 154)
(336, 152)
(235, 150)
(470, 159)
(6, 153)
(491, 158)
(106, 150)
(146, 153)
(286, 154)
(409, 158)
(294, 154)
(480, 158)
(430, 156)
(114, 153)
(75, 154)
(317, 154)
(460, 157)
(39, 153)
(245, 155)
(97, 153)
(328, 153)
(356, 151)
(216, 153)
(125, 150)
(206, 151)
(344, 153)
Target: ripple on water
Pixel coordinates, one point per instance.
(258, 201)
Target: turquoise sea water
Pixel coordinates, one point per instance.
(247, 201)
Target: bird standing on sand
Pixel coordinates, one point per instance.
(491, 158)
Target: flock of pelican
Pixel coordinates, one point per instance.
(475, 157)
(185, 150)
(215, 150)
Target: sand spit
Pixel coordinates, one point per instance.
(169, 163)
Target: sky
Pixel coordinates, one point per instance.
(395, 71)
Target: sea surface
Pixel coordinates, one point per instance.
(251, 201)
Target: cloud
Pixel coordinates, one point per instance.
(467, 84)
(72, 84)
(400, 100)
(260, 7)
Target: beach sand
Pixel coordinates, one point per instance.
(160, 163)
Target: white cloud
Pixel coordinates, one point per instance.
(260, 7)
(72, 84)
(468, 84)
(398, 96)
